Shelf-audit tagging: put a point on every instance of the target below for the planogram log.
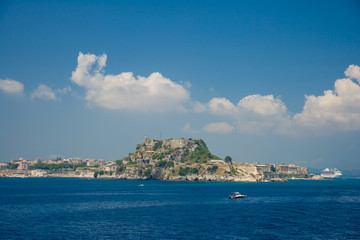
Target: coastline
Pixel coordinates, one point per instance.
(168, 160)
(188, 178)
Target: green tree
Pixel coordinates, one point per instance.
(12, 166)
(157, 146)
(161, 164)
(131, 162)
(170, 164)
(212, 169)
(194, 171)
(147, 172)
(120, 169)
(184, 171)
(188, 170)
(228, 159)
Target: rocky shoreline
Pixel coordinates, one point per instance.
(88, 174)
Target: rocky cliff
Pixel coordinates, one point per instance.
(181, 159)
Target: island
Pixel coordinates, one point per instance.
(171, 160)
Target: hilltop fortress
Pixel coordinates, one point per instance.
(182, 159)
(151, 151)
(172, 159)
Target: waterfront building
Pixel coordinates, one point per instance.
(90, 162)
(291, 169)
(23, 165)
(111, 167)
(217, 161)
(3, 165)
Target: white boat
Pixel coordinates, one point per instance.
(331, 173)
(236, 195)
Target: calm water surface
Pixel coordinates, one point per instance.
(56, 208)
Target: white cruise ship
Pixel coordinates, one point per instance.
(331, 173)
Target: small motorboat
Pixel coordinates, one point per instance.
(236, 195)
(141, 185)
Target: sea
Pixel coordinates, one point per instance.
(66, 208)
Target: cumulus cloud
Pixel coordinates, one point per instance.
(353, 71)
(253, 104)
(218, 127)
(124, 91)
(335, 110)
(262, 105)
(11, 86)
(260, 114)
(222, 106)
(255, 114)
(43, 92)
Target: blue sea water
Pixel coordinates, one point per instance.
(65, 208)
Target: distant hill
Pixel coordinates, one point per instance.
(181, 159)
(178, 150)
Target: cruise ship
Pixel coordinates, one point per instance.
(331, 173)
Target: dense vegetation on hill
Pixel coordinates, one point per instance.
(165, 152)
(200, 155)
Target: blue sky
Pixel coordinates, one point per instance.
(234, 73)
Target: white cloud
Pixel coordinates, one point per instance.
(335, 110)
(11, 86)
(263, 105)
(188, 129)
(43, 92)
(255, 114)
(261, 114)
(124, 91)
(253, 104)
(353, 71)
(218, 127)
(222, 106)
